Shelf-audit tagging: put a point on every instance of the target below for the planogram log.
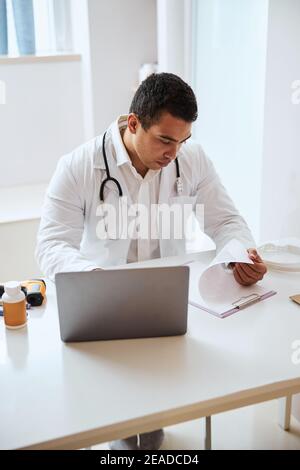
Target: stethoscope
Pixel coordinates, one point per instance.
(179, 185)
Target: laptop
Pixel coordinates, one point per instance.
(122, 303)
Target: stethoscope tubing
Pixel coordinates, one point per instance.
(116, 182)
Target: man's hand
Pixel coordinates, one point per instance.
(248, 274)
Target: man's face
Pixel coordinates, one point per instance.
(157, 146)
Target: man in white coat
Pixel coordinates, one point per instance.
(150, 161)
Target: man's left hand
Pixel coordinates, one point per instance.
(248, 274)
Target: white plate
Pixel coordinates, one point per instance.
(281, 256)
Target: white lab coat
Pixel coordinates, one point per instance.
(67, 238)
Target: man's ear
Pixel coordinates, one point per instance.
(133, 123)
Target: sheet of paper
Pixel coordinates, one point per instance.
(214, 289)
(213, 277)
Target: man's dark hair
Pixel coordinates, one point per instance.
(164, 92)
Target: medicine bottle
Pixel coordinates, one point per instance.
(14, 305)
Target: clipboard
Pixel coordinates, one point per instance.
(237, 305)
(214, 289)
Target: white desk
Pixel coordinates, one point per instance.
(55, 395)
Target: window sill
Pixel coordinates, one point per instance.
(21, 203)
(32, 59)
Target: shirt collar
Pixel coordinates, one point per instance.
(121, 154)
(117, 148)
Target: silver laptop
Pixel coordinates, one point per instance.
(122, 303)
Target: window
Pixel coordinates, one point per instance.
(52, 27)
(229, 61)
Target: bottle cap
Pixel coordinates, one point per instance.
(12, 288)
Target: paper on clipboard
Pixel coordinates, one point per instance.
(214, 288)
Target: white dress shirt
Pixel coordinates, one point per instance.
(143, 191)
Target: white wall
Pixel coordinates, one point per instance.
(41, 120)
(171, 36)
(122, 38)
(114, 38)
(81, 43)
(17, 240)
(229, 77)
(280, 201)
